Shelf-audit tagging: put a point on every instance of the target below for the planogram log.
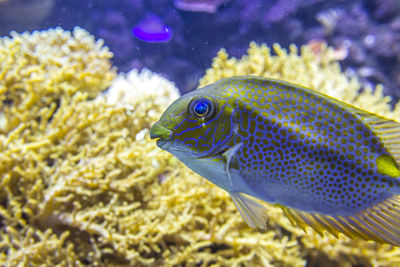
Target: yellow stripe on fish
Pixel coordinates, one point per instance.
(329, 165)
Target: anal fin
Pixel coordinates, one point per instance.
(380, 223)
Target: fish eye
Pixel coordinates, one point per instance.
(201, 108)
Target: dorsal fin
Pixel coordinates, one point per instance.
(389, 133)
(387, 130)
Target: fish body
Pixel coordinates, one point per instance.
(328, 164)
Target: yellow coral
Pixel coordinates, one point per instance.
(142, 91)
(37, 69)
(40, 76)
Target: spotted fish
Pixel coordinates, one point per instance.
(327, 164)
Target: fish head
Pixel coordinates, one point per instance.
(197, 125)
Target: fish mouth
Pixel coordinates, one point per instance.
(165, 138)
(159, 131)
(163, 134)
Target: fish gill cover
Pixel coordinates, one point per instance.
(82, 184)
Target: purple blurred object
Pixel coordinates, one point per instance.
(151, 29)
(354, 22)
(281, 10)
(383, 10)
(209, 6)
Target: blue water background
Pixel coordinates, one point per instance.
(368, 29)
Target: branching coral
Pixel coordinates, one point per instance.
(37, 69)
(42, 76)
(81, 183)
(143, 92)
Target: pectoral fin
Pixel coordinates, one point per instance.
(254, 214)
(231, 161)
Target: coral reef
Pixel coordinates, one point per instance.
(37, 69)
(82, 184)
(44, 78)
(144, 90)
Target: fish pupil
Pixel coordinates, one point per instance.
(201, 108)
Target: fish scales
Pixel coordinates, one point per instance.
(328, 157)
(327, 164)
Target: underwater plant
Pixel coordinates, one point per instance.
(81, 183)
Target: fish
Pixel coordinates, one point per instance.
(151, 29)
(327, 164)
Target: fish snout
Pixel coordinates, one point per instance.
(159, 131)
